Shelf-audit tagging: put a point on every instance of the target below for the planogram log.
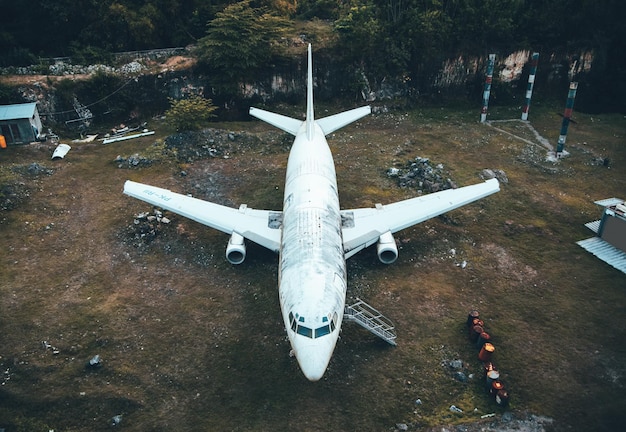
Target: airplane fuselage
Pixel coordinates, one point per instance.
(312, 240)
(312, 268)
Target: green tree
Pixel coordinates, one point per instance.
(360, 29)
(322, 9)
(189, 114)
(241, 41)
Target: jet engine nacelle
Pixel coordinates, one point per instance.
(386, 248)
(236, 249)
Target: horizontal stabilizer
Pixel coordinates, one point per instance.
(332, 123)
(288, 124)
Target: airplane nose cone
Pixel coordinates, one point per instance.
(313, 360)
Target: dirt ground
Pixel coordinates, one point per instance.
(190, 343)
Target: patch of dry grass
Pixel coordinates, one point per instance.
(191, 343)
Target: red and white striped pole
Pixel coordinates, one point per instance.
(567, 115)
(531, 81)
(487, 91)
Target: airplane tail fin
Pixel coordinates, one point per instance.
(327, 124)
(310, 116)
(288, 124)
(331, 123)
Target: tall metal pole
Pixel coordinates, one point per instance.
(531, 82)
(567, 115)
(487, 91)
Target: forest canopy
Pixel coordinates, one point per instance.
(241, 37)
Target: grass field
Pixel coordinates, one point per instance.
(190, 343)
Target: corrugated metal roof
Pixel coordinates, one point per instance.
(609, 202)
(17, 111)
(593, 226)
(605, 251)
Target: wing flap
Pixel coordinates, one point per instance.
(368, 224)
(259, 226)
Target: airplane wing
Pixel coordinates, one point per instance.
(259, 226)
(363, 227)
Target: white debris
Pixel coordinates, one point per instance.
(393, 172)
(455, 409)
(61, 151)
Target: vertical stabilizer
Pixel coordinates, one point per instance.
(310, 118)
(327, 124)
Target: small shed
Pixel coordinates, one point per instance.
(20, 123)
(610, 243)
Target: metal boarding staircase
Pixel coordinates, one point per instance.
(371, 320)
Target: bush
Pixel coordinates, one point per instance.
(189, 114)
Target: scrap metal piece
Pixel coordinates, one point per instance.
(61, 151)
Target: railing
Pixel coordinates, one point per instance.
(372, 320)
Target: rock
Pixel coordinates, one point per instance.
(501, 176)
(456, 364)
(132, 68)
(35, 170)
(487, 174)
(420, 174)
(507, 417)
(460, 376)
(95, 362)
(190, 146)
(393, 172)
(134, 161)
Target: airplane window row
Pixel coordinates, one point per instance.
(296, 325)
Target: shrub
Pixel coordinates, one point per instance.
(189, 114)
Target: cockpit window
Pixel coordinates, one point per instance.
(296, 323)
(305, 331)
(322, 331)
(292, 321)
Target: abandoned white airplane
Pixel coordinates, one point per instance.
(312, 236)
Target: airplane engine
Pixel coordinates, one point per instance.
(386, 248)
(236, 249)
